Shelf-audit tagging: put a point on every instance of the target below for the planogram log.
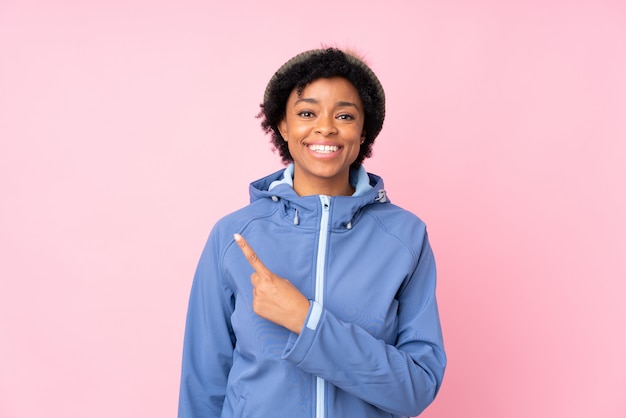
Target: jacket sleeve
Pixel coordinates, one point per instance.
(209, 340)
(402, 378)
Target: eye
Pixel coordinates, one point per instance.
(306, 114)
(345, 116)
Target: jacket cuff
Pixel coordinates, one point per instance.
(298, 345)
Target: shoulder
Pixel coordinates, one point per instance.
(395, 218)
(238, 220)
(390, 216)
(220, 240)
(399, 225)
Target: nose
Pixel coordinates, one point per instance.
(325, 125)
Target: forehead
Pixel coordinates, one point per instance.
(333, 87)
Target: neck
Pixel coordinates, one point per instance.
(308, 187)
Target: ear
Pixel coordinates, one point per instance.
(282, 128)
(362, 137)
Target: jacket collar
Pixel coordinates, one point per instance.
(306, 210)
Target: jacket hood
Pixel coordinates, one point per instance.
(305, 210)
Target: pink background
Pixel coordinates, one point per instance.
(127, 129)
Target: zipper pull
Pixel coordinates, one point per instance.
(325, 202)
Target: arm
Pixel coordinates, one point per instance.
(209, 340)
(402, 378)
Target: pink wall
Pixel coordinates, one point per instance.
(506, 132)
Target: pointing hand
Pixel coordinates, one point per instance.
(274, 298)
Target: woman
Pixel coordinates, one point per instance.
(318, 298)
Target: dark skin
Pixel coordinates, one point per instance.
(324, 129)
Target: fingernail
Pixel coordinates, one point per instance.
(237, 237)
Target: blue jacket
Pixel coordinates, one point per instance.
(372, 343)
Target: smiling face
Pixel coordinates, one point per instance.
(323, 127)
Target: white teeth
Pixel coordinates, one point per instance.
(324, 149)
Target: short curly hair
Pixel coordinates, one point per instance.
(309, 66)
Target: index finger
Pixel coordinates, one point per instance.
(251, 256)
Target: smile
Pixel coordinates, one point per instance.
(324, 149)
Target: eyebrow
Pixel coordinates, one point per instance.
(315, 101)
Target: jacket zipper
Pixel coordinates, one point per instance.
(319, 289)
